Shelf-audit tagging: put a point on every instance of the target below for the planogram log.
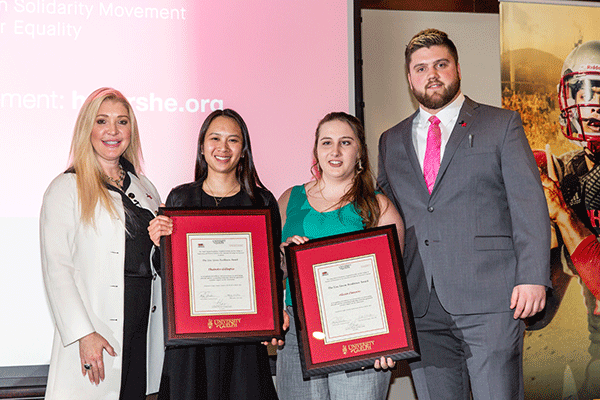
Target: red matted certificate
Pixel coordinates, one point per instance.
(351, 301)
(220, 277)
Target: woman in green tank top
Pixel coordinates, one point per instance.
(341, 199)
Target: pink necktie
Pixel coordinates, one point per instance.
(431, 164)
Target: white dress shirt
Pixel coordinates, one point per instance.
(448, 116)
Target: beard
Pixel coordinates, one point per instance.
(436, 101)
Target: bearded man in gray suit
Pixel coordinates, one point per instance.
(477, 250)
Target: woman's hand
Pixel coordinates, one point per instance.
(160, 226)
(384, 363)
(293, 239)
(91, 349)
(286, 318)
(286, 325)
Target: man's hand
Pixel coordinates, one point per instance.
(527, 300)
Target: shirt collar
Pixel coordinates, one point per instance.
(127, 166)
(447, 114)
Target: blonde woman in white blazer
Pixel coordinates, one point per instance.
(93, 233)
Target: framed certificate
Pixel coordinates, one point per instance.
(351, 301)
(220, 277)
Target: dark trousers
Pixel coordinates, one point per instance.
(460, 354)
(135, 333)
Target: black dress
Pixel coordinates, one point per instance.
(137, 292)
(218, 372)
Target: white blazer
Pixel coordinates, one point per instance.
(83, 269)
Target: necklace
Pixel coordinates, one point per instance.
(218, 200)
(118, 182)
(327, 201)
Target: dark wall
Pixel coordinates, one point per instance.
(474, 6)
(477, 6)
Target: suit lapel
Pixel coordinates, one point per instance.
(461, 128)
(407, 141)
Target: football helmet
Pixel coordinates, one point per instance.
(579, 94)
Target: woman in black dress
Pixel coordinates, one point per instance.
(225, 177)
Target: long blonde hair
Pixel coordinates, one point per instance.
(91, 184)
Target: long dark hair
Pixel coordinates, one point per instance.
(246, 171)
(362, 193)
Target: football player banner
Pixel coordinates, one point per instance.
(551, 76)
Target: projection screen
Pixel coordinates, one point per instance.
(281, 64)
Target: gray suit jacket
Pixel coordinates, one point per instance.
(485, 226)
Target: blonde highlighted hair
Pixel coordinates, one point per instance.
(91, 183)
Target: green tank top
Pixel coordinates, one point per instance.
(303, 220)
